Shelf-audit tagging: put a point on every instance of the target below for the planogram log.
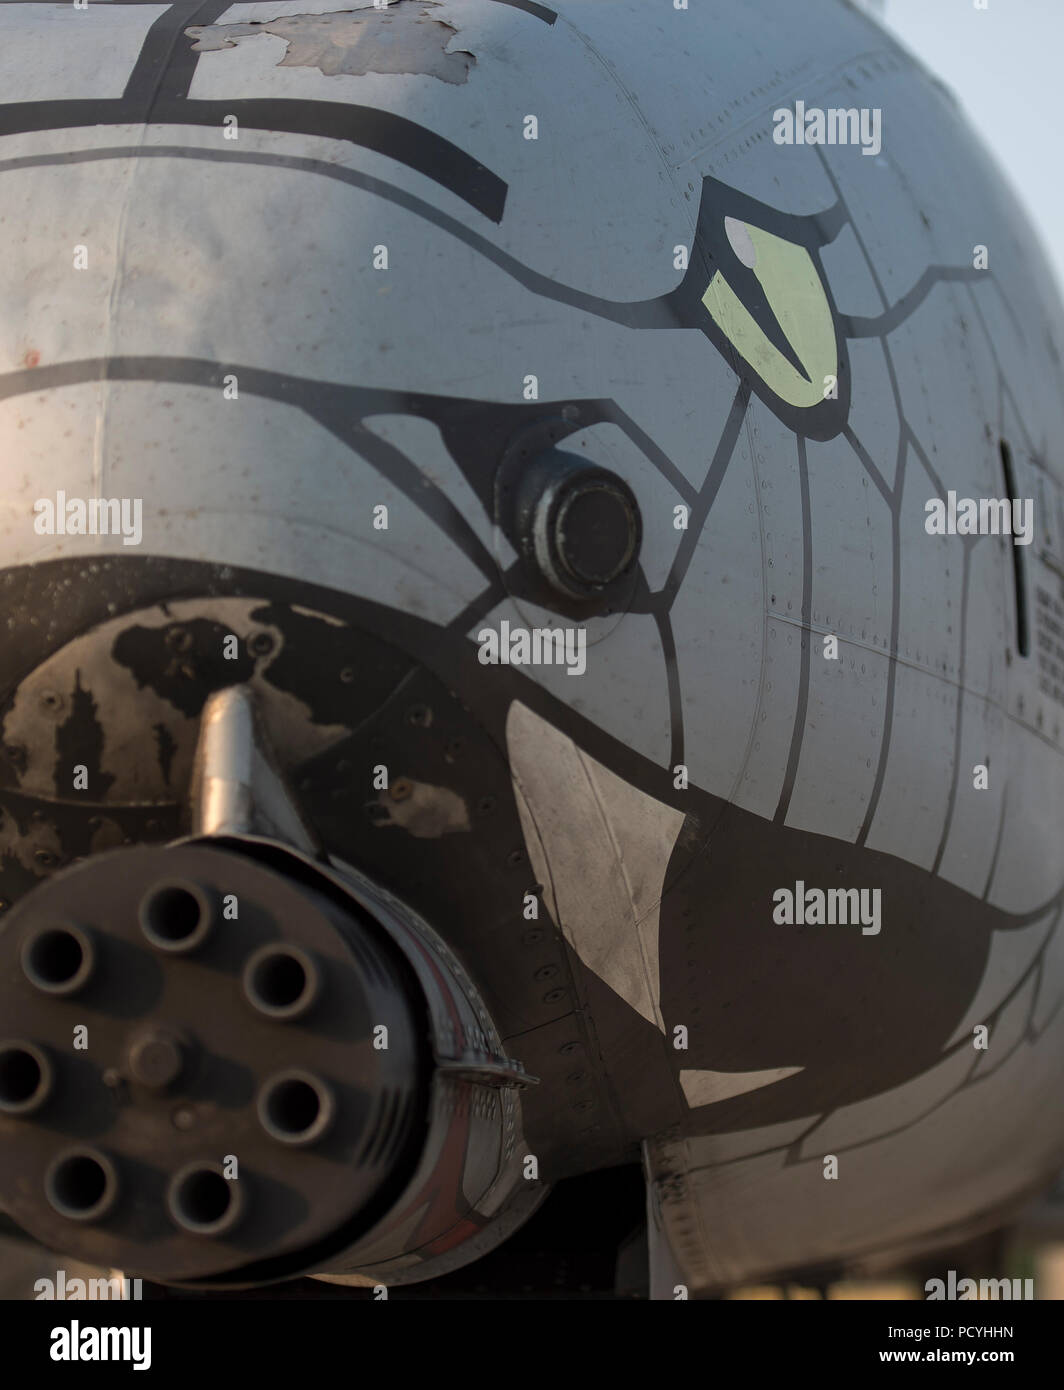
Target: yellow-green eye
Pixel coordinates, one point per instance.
(796, 295)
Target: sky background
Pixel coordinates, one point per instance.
(1006, 66)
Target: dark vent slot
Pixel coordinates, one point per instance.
(1019, 573)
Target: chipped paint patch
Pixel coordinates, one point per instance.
(326, 618)
(707, 1087)
(405, 38)
(422, 810)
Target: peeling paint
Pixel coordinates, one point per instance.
(405, 38)
(424, 811)
(36, 846)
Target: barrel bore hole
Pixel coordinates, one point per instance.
(204, 1202)
(281, 981)
(57, 960)
(25, 1078)
(175, 917)
(81, 1185)
(296, 1107)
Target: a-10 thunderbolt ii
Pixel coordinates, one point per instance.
(533, 639)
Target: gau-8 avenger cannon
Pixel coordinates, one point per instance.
(532, 605)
